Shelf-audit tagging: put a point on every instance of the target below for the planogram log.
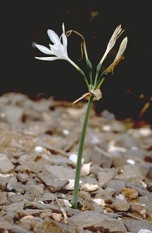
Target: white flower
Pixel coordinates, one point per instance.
(57, 50)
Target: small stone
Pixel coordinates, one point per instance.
(3, 198)
(39, 149)
(70, 185)
(22, 177)
(74, 157)
(5, 164)
(57, 217)
(144, 231)
(85, 169)
(99, 201)
(130, 161)
(145, 132)
(89, 187)
(120, 205)
(129, 193)
(66, 131)
(139, 209)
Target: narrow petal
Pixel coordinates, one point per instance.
(122, 48)
(119, 57)
(63, 28)
(48, 58)
(65, 42)
(64, 38)
(43, 49)
(116, 34)
(53, 36)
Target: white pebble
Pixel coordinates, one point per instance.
(67, 203)
(130, 161)
(73, 158)
(89, 187)
(85, 170)
(120, 197)
(145, 132)
(106, 128)
(99, 201)
(70, 185)
(38, 149)
(144, 231)
(66, 131)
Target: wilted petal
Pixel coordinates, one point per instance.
(53, 36)
(122, 48)
(118, 31)
(119, 56)
(43, 49)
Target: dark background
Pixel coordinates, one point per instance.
(26, 21)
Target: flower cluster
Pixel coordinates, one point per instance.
(58, 51)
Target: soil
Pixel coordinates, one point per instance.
(38, 141)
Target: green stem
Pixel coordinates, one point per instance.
(90, 74)
(85, 79)
(98, 85)
(80, 153)
(95, 81)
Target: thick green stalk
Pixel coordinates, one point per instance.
(80, 154)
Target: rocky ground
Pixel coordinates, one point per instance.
(38, 140)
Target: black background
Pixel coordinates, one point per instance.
(25, 22)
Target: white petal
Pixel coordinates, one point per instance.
(48, 58)
(63, 28)
(43, 49)
(58, 51)
(53, 36)
(65, 42)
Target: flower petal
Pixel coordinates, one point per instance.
(122, 48)
(65, 42)
(48, 58)
(58, 50)
(43, 49)
(116, 34)
(64, 38)
(53, 36)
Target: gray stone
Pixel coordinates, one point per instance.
(5, 164)
(135, 226)
(95, 219)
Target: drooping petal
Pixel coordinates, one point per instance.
(53, 36)
(119, 57)
(43, 49)
(48, 58)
